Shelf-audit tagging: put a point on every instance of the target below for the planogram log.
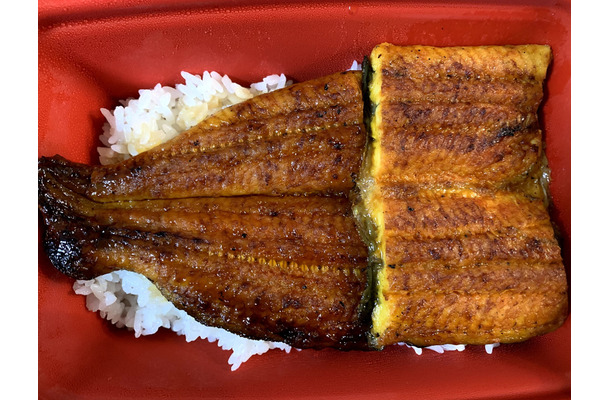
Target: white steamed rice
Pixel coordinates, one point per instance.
(161, 113)
(128, 299)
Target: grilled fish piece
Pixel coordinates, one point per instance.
(452, 197)
(469, 267)
(243, 221)
(307, 138)
(283, 268)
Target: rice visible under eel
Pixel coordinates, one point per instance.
(163, 112)
(128, 299)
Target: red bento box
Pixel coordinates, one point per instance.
(93, 53)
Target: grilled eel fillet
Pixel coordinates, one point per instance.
(243, 221)
(451, 197)
(305, 139)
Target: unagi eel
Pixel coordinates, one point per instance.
(244, 221)
(281, 219)
(453, 199)
(307, 138)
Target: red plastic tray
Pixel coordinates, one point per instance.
(93, 53)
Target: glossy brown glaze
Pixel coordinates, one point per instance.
(473, 269)
(303, 139)
(467, 251)
(243, 221)
(465, 116)
(290, 269)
